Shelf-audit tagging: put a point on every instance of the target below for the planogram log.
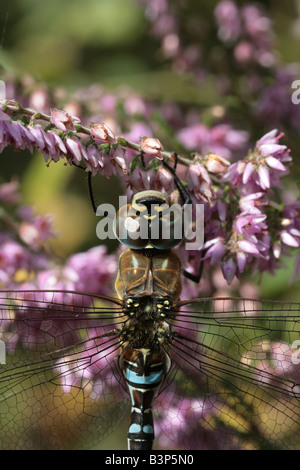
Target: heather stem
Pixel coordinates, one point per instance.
(14, 107)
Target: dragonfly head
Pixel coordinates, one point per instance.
(150, 221)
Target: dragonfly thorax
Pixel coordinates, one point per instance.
(146, 326)
(142, 275)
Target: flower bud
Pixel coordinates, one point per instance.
(102, 134)
(164, 180)
(63, 120)
(228, 270)
(216, 164)
(152, 146)
(199, 182)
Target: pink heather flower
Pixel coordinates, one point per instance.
(9, 192)
(108, 102)
(195, 137)
(140, 180)
(268, 147)
(94, 270)
(75, 148)
(29, 234)
(15, 131)
(94, 160)
(165, 23)
(40, 100)
(63, 120)
(257, 24)
(118, 161)
(235, 173)
(50, 147)
(37, 232)
(277, 250)
(58, 142)
(170, 45)
(248, 247)
(241, 259)
(228, 19)
(289, 240)
(221, 140)
(250, 204)
(137, 131)
(13, 257)
(249, 224)
(102, 134)
(274, 163)
(29, 139)
(228, 270)
(4, 116)
(224, 137)
(263, 167)
(249, 169)
(199, 182)
(264, 177)
(222, 210)
(244, 52)
(216, 164)
(152, 146)
(269, 138)
(215, 251)
(91, 271)
(135, 105)
(164, 180)
(37, 132)
(59, 278)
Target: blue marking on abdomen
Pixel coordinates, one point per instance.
(135, 428)
(143, 379)
(148, 429)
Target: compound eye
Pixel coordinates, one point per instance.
(171, 228)
(160, 209)
(128, 227)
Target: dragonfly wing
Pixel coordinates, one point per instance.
(60, 382)
(234, 382)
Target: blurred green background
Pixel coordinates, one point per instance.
(72, 43)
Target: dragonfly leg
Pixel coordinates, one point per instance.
(194, 277)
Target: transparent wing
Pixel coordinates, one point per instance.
(234, 381)
(60, 382)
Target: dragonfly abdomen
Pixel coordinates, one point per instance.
(143, 371)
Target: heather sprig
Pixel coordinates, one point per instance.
(244, 228)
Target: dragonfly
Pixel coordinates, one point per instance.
(205, 373)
